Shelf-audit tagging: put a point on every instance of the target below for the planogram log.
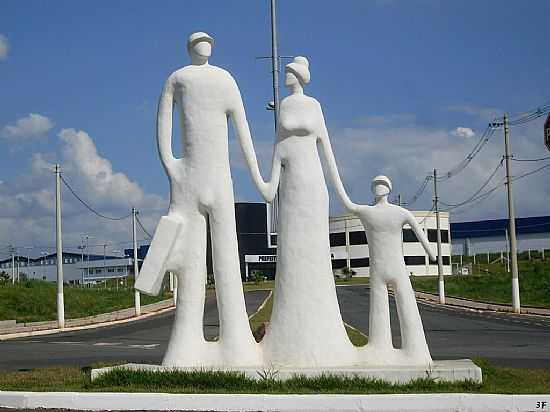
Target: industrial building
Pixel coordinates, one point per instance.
(470, 238)
(78, 268)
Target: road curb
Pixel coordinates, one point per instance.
(88, 322)
(259, 402)
(472, 304)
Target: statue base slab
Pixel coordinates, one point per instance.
(444, 370)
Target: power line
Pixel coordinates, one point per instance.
(142, 228)
(483, 140)
(532, 172)
(499, 165)
(89, 207)
(531, 115)
(419, 191)
(540, 159)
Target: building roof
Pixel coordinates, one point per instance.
(498, 227)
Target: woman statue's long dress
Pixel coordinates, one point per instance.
(306, 328)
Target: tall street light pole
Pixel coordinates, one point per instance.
(59, 248)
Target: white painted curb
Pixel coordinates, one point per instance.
(283, 403)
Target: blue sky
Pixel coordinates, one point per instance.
(395, 79)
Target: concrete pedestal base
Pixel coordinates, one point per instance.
(447, 370)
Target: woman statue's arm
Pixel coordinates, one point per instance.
(331, 163)
(420, 234)
(164, 126)
(269, 189)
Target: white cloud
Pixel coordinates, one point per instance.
(4, 47)
(33, 125)
(27, 203)
(465, 132)
(485, 113)
(408, 153)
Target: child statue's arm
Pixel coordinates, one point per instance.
(331, 164)
(411, 220)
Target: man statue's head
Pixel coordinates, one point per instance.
(199, 46)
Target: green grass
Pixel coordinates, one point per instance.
(35, 300)
(495, 380)
(494, 285)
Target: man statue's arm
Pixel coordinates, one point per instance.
(238, 116)
(164, 126)
(420, 234)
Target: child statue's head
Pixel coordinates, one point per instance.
(381, 186)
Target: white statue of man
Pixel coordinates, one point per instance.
(201, 188)
(383, 225)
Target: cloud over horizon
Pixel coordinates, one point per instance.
(31, 126)
(28, 202)
(4, 47)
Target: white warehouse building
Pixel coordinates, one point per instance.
(349, 245)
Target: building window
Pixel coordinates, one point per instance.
(360, 263)
(338, 263)
(273, 239)
(358, 238)
(98, 271)
(121, 269)
(110, 270)
(415, 260)
(432, 235)
(338, 239)
(409, 236)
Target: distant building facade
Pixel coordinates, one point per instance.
(77, 268)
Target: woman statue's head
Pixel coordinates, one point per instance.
(297, 72)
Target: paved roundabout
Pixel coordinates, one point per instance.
(503, 338)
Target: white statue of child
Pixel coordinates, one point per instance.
(383, 225)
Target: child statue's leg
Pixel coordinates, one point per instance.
(379, 316)
(413, 341)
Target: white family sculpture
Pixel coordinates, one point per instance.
(306, 328)
(383, 224)
(201, 188)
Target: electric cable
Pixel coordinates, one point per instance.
(88, 206)
(142, 228)
(499, 165)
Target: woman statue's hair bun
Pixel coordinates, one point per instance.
(300, 67)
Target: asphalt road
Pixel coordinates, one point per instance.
(452, 333)
(142, 341)
(505, 339)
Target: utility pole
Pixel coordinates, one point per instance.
(59, 248)
(511, 219)
(441, 281)
(136, 267)
(348, 251)
(12, 250)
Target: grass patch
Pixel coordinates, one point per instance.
(496, 380)
(35, 300)
(494, 285)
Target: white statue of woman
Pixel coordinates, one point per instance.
(306, 327)
(383, 224)
(201, 187)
